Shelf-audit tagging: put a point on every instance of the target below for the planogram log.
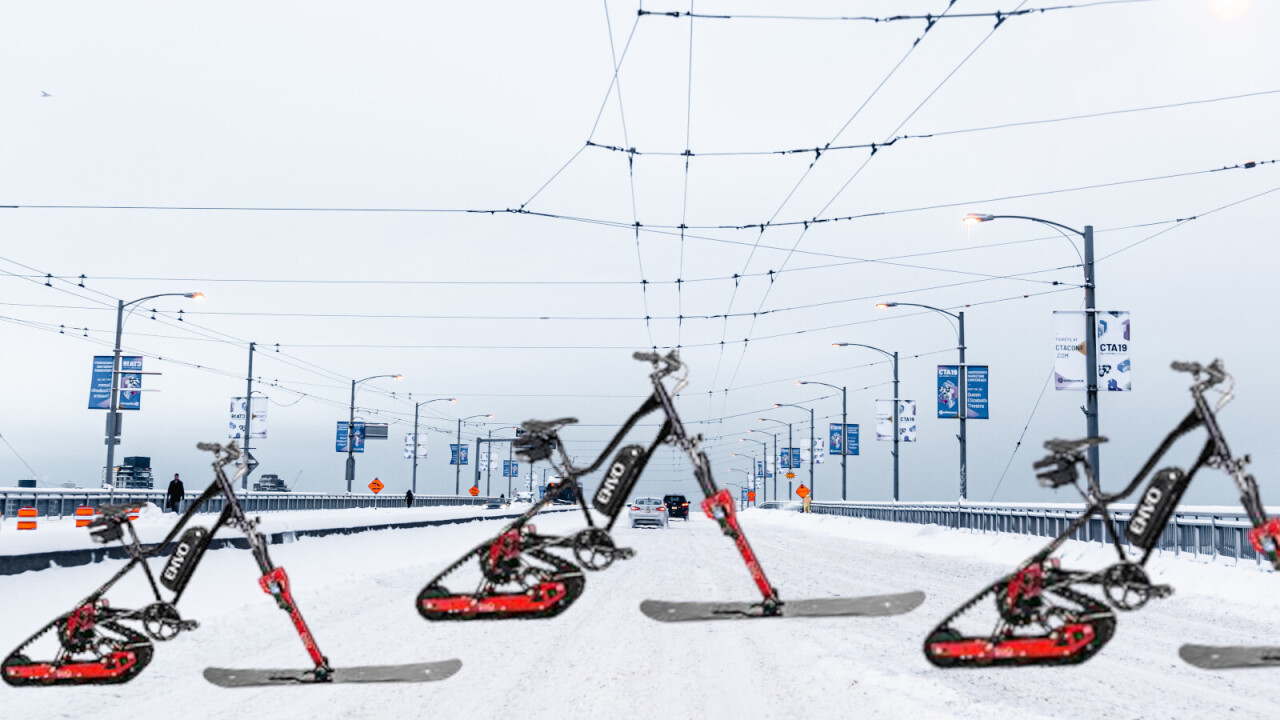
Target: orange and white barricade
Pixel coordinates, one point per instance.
(27, 518)
(84, 515)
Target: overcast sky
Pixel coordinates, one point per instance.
(337, 113)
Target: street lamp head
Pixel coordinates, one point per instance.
(975, 218)
(197, 296)
(777, 404)
(489, 415)
(453, 400)
(397, 377)
(886, 305)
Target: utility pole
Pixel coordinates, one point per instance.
(248, 421)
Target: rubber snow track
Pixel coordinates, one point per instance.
(602, 658)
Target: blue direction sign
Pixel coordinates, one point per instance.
(100, 383)
(453, 454)
(357, 437)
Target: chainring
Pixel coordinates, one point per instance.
(594, 549)
(161, 621)
(1126, 586)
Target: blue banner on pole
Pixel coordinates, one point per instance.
(795, 457)
(744, 495)
(836, 441)
(453, 454)
(100, 383)
(357, 437)
(948, 391)
(762, 471)
(979, 392)
(851, 439)
(510, 468)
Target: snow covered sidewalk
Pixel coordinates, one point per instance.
(602, 658)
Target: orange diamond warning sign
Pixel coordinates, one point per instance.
(376, 486)
(474, 491)
(802, 491)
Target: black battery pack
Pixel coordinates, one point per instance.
(619, 480)
(186, 555)
(1156, 506)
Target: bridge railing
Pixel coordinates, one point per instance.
(1199, 530)
(59, 502)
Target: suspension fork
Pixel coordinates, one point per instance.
(718, 502)
(274, 580)
(1265, 535)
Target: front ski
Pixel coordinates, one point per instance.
(416, 672)
(1230, 656)
(867, 606)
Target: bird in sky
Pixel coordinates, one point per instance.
(44, 94)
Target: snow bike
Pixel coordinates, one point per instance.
(100, 644)
(522, 578)
(1045, 616)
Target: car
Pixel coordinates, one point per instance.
(648, 511)
(677, 506)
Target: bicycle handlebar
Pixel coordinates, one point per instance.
(1214, 370)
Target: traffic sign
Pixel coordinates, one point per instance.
(474, 491)
(376, 486)
(791, 476)
(751, 496)
(802, 491)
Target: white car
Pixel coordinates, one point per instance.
(648, 511)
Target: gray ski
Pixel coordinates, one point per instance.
(1230, 656)
(866, 606)
(417, 672)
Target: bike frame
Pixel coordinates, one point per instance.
(718, 503)
(1215, 453)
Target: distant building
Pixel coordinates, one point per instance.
(270, 482)
(135, 474)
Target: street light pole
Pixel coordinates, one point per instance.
(963, 405)
(774, 459)
(414, 484)
(763, 468)
(113, 405)
(457, 472)
(811, 439)
(248, 421)
(896, 400)
(351, 427)
(1091, 326)
(844, 430)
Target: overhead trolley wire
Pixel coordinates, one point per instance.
(997, 15)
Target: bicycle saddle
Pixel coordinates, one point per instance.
(1059, 446)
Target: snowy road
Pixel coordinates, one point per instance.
(603, 659)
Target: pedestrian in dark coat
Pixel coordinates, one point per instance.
(408, 498)
(176, 491)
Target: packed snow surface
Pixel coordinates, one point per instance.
(602, 658)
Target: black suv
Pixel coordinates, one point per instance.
(677, 506)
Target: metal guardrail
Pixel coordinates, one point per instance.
(60, 503)
(1209, 531)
